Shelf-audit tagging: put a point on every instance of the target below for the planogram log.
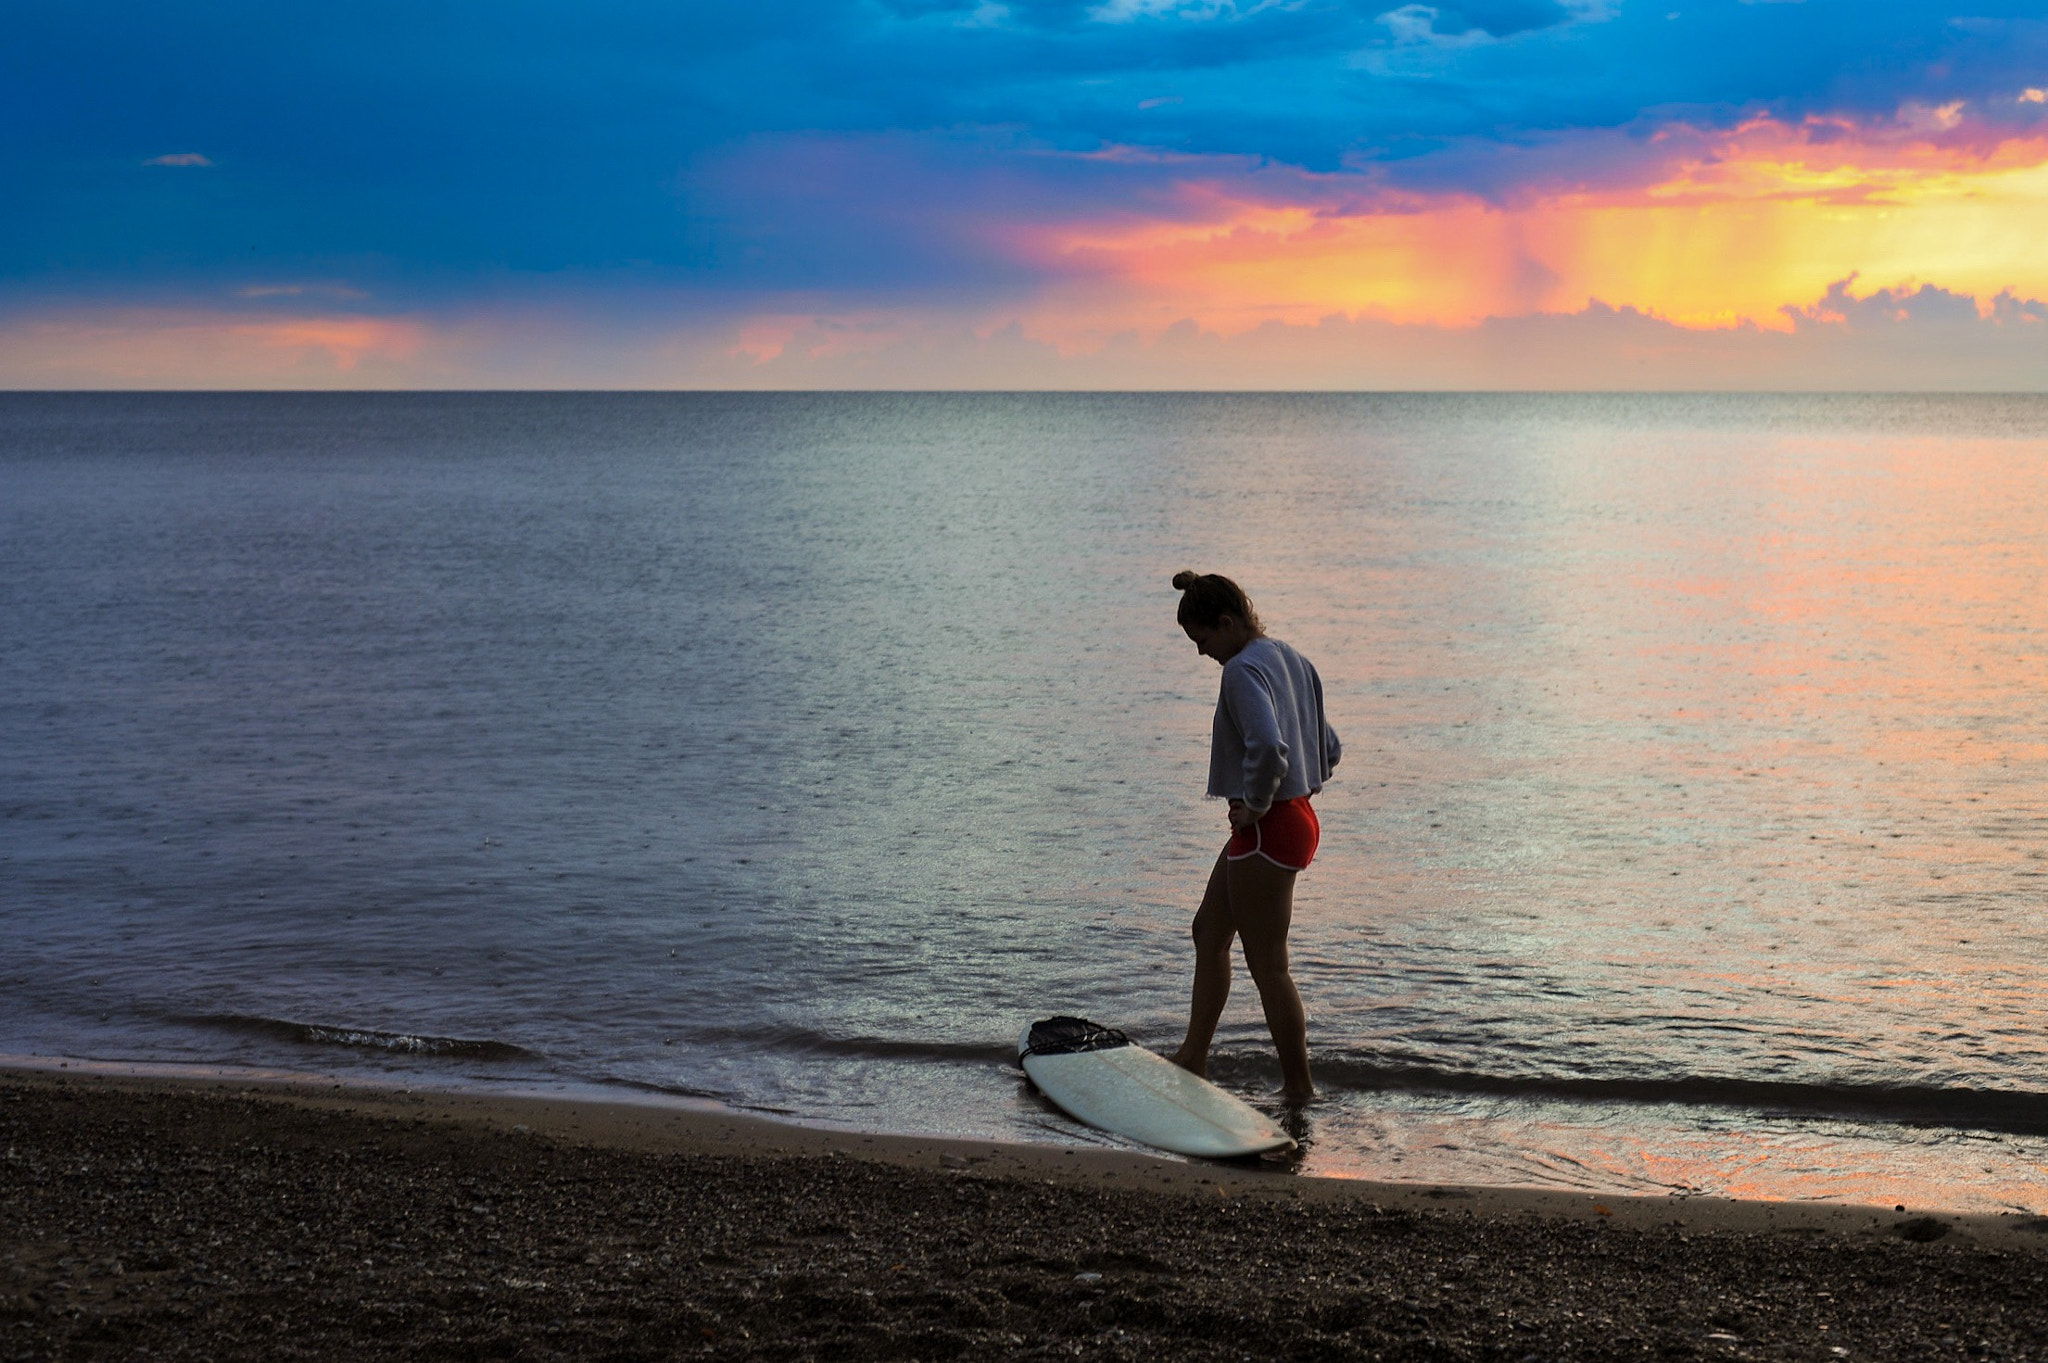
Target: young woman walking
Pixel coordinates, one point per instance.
(1272, 749)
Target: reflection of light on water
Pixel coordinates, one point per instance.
(1685, 737)
(1675, 1150)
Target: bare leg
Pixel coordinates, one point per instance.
(1261, 899)
(1213, 931)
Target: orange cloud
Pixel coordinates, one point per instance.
(1728, 228)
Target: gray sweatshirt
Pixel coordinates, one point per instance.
(1272, 741)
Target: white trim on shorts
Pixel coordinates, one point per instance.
(1259, 850)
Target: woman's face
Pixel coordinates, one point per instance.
(1222, 640)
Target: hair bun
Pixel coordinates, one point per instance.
(1184, 579)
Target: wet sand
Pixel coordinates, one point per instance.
(177, 1218)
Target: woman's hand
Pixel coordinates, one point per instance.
(1241, 815)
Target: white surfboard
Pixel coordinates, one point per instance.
(1101, 1077)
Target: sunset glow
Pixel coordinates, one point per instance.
(1761, 223)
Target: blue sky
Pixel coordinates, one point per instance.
(639, 175)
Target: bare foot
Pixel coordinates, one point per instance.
(1197, 1065)
(1297, 1097)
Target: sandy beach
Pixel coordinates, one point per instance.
(222, 1219)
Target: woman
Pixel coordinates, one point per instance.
(1272, 749)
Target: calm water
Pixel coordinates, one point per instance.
(797, 750)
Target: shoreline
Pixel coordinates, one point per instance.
(237, 1218)
(663, 1124)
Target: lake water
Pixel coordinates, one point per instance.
(796, 751)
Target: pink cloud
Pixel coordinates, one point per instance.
(165, 348)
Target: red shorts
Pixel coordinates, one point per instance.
(1287, 836)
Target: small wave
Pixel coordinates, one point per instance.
(724, 1100)
(2009, 1111)
(807, 1042)
(403, 1043)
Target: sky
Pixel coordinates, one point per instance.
(1254, 194)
